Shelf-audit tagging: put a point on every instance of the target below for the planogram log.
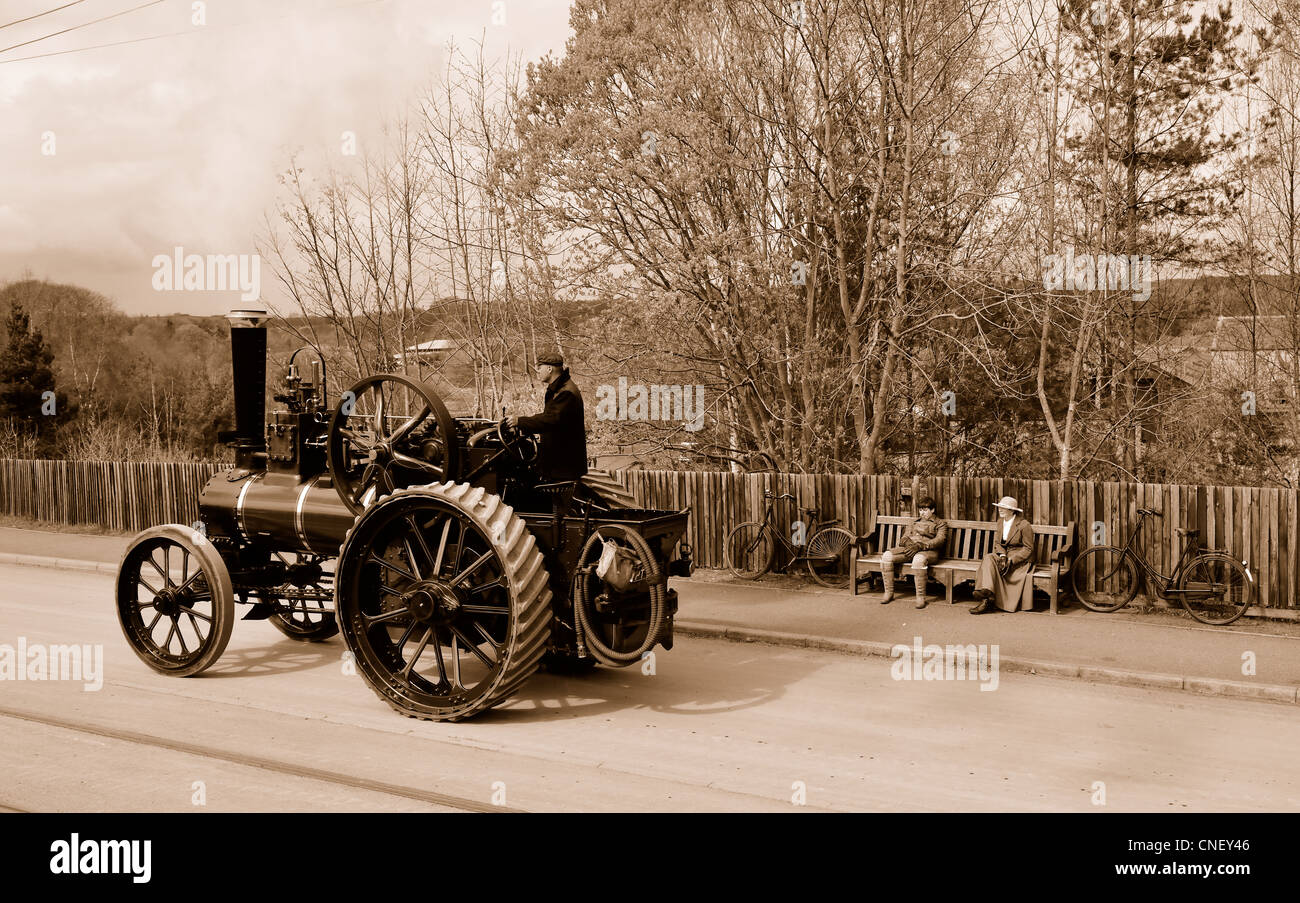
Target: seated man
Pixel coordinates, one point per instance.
(562, 452)
(922, 544)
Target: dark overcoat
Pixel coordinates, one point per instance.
(562, 451)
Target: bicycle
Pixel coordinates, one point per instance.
(751, 547)
(1213, 586)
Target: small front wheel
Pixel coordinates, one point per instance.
(750, 550)
(1104, 578)
(174, 600)
(1215, 588)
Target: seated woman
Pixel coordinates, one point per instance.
(1003, 579)
(922, 545)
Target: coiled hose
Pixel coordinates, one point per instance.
(658, 597)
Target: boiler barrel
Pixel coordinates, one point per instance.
(277, 510)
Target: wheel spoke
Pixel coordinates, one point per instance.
(160, 571)
(406, 635)
(419, 650)
(472, 646)
(478, 562)
(419, 539)
(386, 616)
(455, 662)
(196, 614)
(410, 556)
(140, 579)
(156, 616)
(442, 547)
(499, 583)
(180, 636)
(167, 644)
(437, 654)
(392, 567)
(411, 422)
(483, 632)
(486, 609)
(416, 464)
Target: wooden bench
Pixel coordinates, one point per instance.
(968, 542)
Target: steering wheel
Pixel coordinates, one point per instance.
(523, 448)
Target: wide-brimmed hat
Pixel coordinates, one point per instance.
(1008, 502)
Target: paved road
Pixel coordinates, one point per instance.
(279, 726)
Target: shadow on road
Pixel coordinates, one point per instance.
(283, 657)
(706, 685)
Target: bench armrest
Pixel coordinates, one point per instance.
(1064, 551)
(862, 542)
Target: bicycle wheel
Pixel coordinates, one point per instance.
(1104, 578)
(1215, 588)
(749, 550)
(828, 557)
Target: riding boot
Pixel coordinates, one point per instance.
(887, 575)
(920, 590)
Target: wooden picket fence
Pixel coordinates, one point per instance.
(120, 495)
(1258, 525)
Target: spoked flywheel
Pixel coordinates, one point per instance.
(389, 432)
(174, 600)
(443, 600)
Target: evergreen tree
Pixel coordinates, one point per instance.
(29, 401)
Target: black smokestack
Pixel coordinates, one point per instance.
(248, 360)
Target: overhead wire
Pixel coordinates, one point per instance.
(172, 34)
(38, 15)
(72, 28)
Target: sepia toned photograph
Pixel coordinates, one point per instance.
(651, 406)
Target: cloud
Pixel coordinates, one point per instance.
(178, 141)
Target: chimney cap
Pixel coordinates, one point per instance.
(254, 317)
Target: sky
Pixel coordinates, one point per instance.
(113, 157)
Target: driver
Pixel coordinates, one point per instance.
(562, 451)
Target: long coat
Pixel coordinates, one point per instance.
(1015, 590)
(562, 451)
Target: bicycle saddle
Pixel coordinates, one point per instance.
(1150, 511)
(1181, 532)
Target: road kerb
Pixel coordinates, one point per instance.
(1131, 678)
(1215, 687)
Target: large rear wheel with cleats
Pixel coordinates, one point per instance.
(442, 597)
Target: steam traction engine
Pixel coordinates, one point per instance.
(429, 541)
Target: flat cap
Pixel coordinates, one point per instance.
(554, 358)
